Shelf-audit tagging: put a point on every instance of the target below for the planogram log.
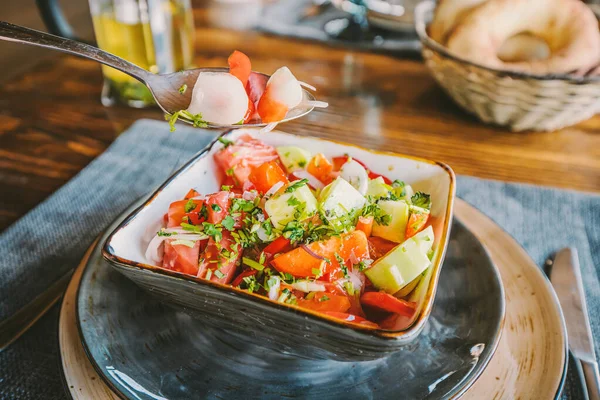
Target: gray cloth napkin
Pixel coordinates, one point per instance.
(52, 238)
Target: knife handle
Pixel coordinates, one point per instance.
(592, 379)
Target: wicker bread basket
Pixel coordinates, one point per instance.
(517, 100)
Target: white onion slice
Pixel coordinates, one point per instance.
(199, 197)
(284, 88)
(220, 97)
(274, 290)
(154, 251)
(262, 234)
(356, 175)
(306, 85)
(357, 279)
(308, 286)
(249, 196)
(274, 189)
(312, 180)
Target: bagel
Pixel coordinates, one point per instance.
(569, 28)
(447, 15)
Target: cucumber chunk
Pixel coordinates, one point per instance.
(293, 158)
(395, 231)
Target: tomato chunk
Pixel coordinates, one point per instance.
(380, 247)
(339, 161)
(324, 302)
(238, 160)
(222, 266)
(351, 318)
(301, 262)
(269, 109)
(365, 224)
(181, 257)
(320, 167)
(416, 223)
(279, 245)
(240, 66)
(266, 175)
(191, 193)
(177, 210)
(217, 206)
(386, 302)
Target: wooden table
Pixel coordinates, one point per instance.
(52, 123)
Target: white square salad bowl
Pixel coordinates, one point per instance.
(255, 318)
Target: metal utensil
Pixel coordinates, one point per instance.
(12, 328)
(565, 276)
(164, 88)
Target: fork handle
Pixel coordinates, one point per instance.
(20, 34)
(592, 378)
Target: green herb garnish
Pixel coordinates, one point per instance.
(219, 274)
(228, 223)
(196, 119)
(183, 88)
(189, 206)
(212, 230)
(252, 264)
(422, 200)
(226, 142)
(296, 185)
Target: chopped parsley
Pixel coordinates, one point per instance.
(422, 200)
(191, 228)
(253, 264)
(226, 142)
(349, 286)
(399, 187)
(189, 206)
(324, 298)
(296, 185)
(365, 264)
(162, 232)
(342, 263)
(219, 274)
(216, 207)
(195, 119)
(228, 223)
(252, 284)
(294, 231)
(184, 242)
(226, 188)
(302, 163)
(378, 214)
(292, 201)
(183, 88)
(212, 230)
(238, 205)
(229, 172)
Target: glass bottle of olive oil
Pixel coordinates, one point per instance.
(157, 35)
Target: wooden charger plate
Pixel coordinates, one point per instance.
(530, 361)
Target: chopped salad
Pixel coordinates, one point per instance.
(319, 233)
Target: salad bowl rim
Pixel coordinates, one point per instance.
(404, 334)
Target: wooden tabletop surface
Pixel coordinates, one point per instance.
(52, 123)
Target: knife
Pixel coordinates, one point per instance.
(565, 276)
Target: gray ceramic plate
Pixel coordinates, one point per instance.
(146, 350)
